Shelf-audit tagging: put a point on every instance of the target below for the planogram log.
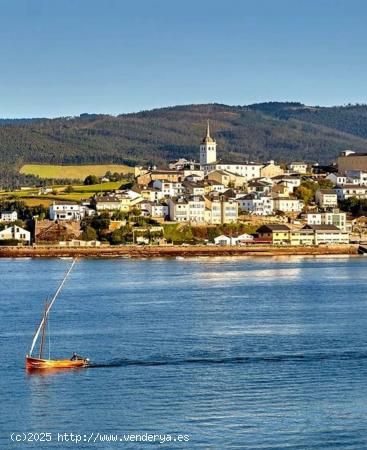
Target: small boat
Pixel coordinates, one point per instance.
(36, 363)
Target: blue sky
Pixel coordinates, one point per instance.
(66, 57)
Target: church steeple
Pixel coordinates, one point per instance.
(208, 148)
(207, 138)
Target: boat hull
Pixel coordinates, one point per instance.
(38, 363)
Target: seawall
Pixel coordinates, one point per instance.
(138, 251)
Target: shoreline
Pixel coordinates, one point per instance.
(139, 251)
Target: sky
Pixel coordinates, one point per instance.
(67, 57)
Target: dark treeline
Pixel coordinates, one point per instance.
(280, 131)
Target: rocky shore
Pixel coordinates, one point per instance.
(139, 251)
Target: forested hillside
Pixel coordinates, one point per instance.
(280, 131)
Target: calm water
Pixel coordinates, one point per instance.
(236, 353)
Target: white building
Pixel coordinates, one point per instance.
(222, 240)
(157, 209)
(328, 234)
(187, 209)
(326, 198)
(351, 190)
(238, 240)
(9, 216)
(287, 204)
(248, 171)
(169, 188)
(259, 186)
(259, 205)
(16, 232)
(337, 178)
(291, 181)
(356, 177)
(244, 239)
(66, 210)
(336, 218)
(215, 186)
(298, 166)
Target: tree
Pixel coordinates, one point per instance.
(351, 204)
(101, 222)
(89, 234)
(304, 193)
(120, 215)
(69, 189)
(326, 184)
(91, 179)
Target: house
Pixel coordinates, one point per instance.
(259, 186)
(259, 205)
(275, 233)
(156, 209)
(107, 203)
(244, 239)
(298, 166)
(164, 175)
(248, 170)
(351, 190)
(66, 210)
(302, 237)
(356, 177)
(226, 178)
(326, 198)
(222, 240)
(220, 209)
(169, 188)
(194, 188)
(178, 209)
(192, 169)
(336, 218)
(280, 190)
(337, 178)
(291, 181)
(229, 210)
(9, 216)
(214, 186)
(189, 208)
(213, 209)
(15, 233)
(287, 204)
(328, 234)
(179, 164)
(270, 170)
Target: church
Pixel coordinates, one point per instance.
(209, 162)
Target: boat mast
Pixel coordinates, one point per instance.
(43, 332)
(45, 315)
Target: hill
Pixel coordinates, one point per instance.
(280, 131)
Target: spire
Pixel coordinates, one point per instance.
(208, 130)
(208, 138)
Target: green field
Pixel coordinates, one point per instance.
(48, 171)
(31, 197)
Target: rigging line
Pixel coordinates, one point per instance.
(49, 336)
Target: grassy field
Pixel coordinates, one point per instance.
(31, 197)
(47, 171)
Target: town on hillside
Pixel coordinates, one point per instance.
(211, 201)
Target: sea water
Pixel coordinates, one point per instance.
(218, 353)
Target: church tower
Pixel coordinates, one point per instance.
(208, 149)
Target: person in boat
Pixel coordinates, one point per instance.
(75, 357)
